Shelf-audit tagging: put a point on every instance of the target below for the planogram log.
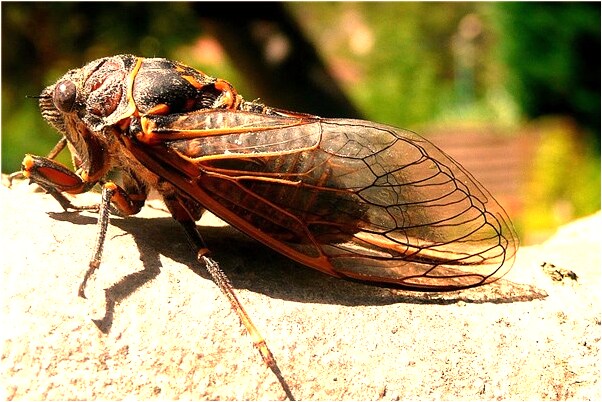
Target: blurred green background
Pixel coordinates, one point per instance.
(511, 90)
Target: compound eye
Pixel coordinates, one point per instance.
(64, 96)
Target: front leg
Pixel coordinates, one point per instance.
(56, 179)
(51, 155)
(127, 204)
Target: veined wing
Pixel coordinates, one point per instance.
(347, 197)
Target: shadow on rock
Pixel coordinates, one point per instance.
(251, 265)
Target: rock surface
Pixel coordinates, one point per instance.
(155, 326)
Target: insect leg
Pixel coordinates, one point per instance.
(179, 212)
(51, 155)
(258, 340)
(57, 148)
(126, 204)
(55, 178)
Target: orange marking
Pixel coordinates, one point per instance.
(67, 182)
(132, 109)
(161, 109)
(27, 164)
(147, 124)
(124, 123)
(111, 186)
(229, 95)
(121, 199)
(193, 81)
(146, 135)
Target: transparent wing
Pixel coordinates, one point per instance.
(350, 198)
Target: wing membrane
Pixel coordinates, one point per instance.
(347, 197)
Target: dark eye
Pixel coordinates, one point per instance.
(64, 96)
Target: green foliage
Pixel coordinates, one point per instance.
(551, 54)
(564, 180)
(552, 51)
(396, 60)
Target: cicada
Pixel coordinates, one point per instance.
(351, 198)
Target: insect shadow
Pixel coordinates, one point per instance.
(253, 266)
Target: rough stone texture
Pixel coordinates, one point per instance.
(155, 326)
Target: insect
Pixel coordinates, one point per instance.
(351, 198)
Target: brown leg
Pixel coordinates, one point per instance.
(126, 204)
(179, 212)
(55, 178)
(51, 155)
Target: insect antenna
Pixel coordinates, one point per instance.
(44, 96)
